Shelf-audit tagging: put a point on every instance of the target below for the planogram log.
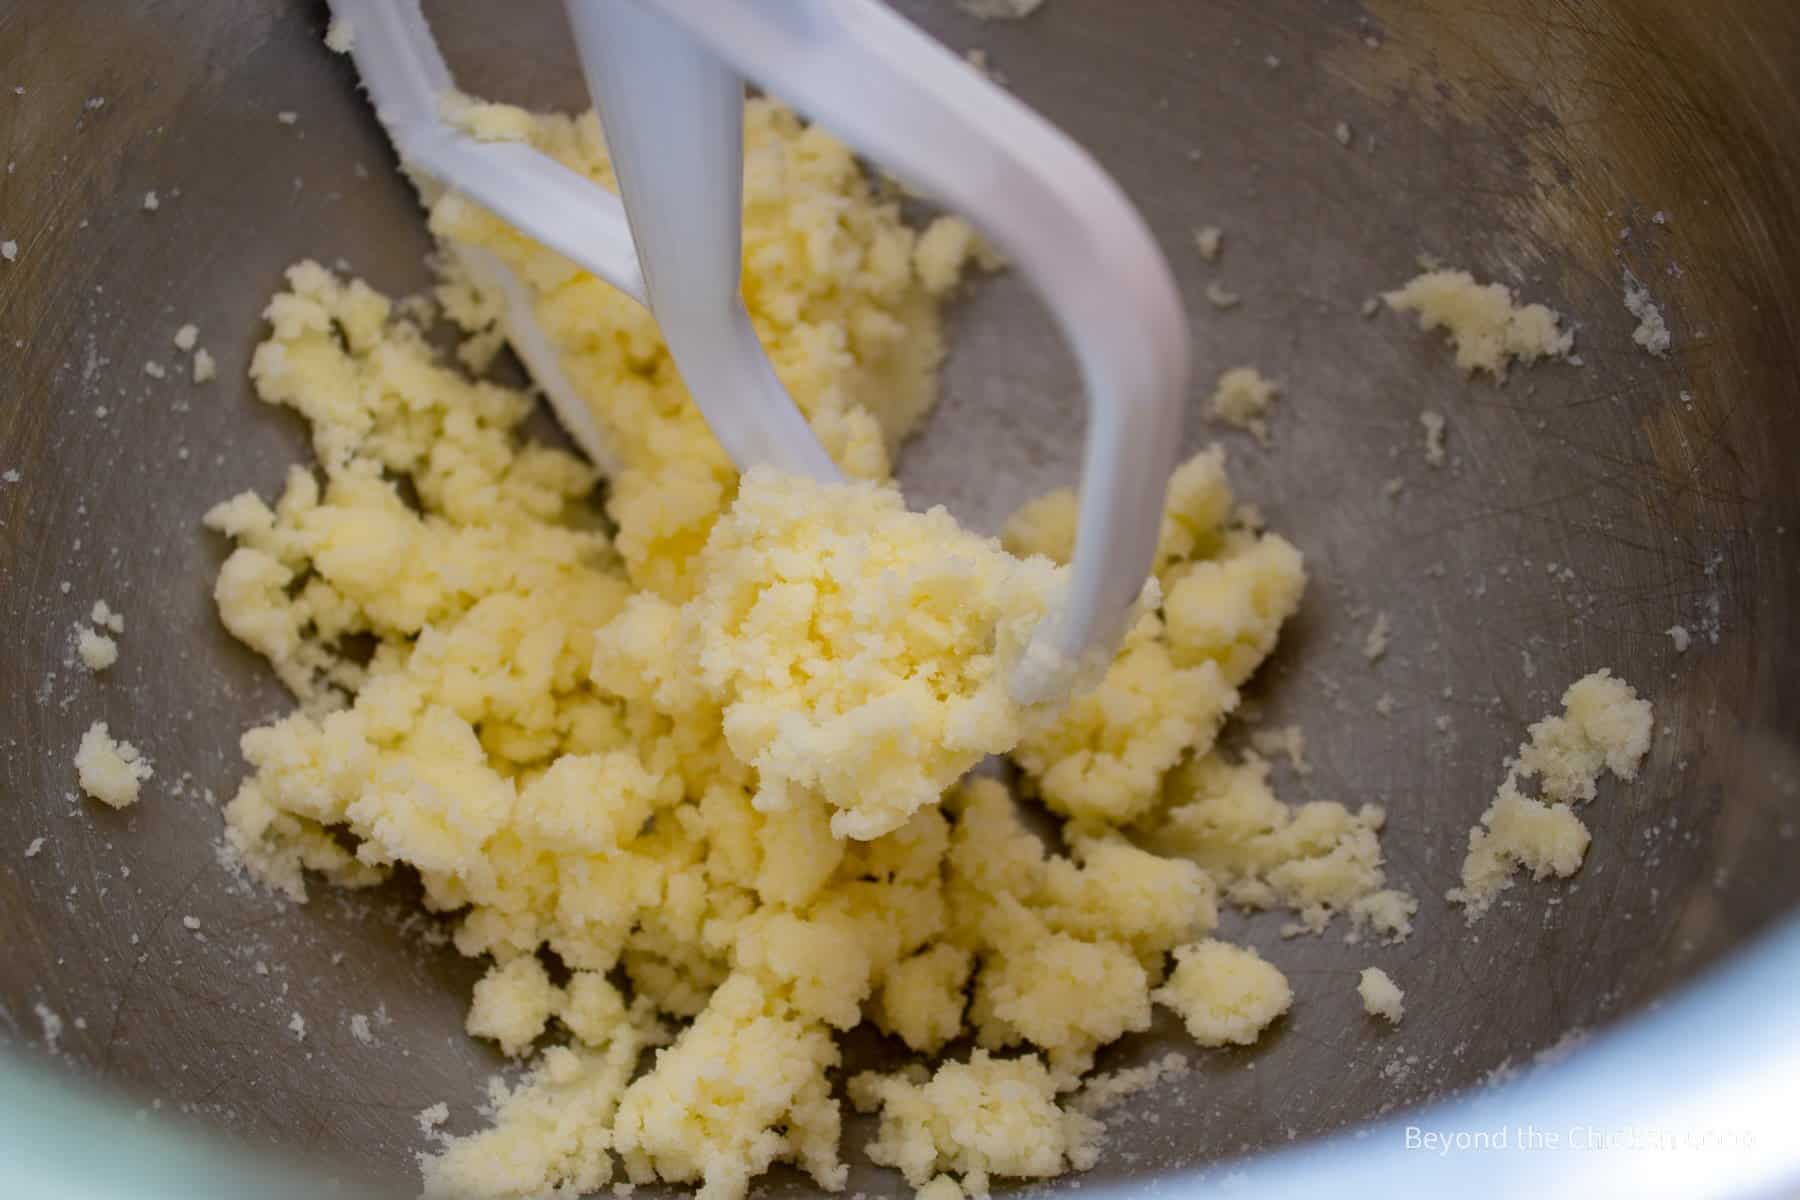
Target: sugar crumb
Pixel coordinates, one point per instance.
(107, 617)
(999, 10)
(1433, 423)
(1209, 240)
(1289, 740)
(52, 1025)
(1652, 332)
(1375, 642)
(1100, 1092)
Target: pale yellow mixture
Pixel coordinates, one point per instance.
(700, 747)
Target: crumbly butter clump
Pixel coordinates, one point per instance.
(1317, 860)
(1604, 726)
(1488, 329)
(96, 650)
(110, 771)
(1381, 996)
(1227, 590)
(1224, 994)
(857, 650)
(988, 1116)
(1242, 399)
(709, 764)
(553, 1129)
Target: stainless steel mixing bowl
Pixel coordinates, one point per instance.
(1553, 144)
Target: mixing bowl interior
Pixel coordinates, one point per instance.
(1585, 509)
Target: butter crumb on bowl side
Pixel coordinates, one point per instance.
(1242, 397)
(1487, 327)
(110, 771)
(96, 650)
(1381, 996)
(1604, 726)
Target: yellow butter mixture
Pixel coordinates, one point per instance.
(685, 756)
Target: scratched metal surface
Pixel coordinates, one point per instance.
(1584, 510)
